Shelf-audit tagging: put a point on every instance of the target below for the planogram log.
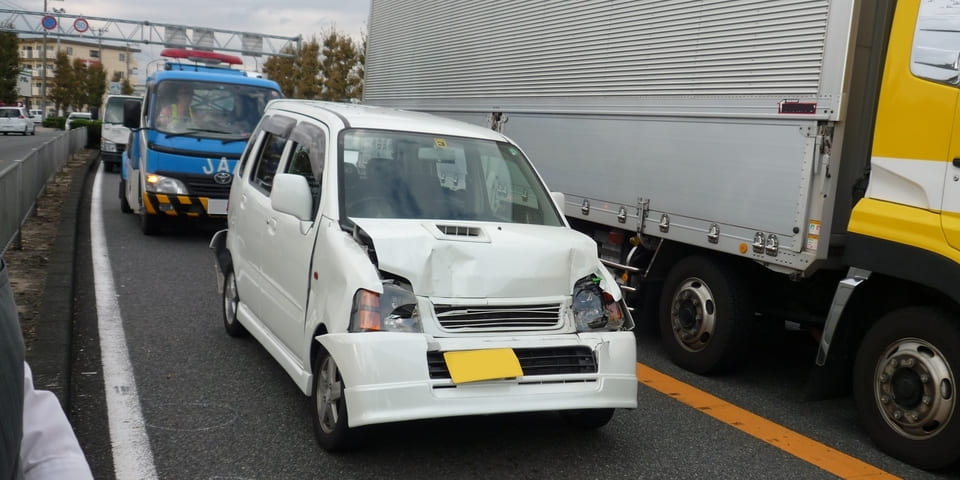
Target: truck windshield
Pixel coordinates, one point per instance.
(389, 174)
(207, 109)
(113, 111)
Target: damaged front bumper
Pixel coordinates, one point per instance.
(391, 377)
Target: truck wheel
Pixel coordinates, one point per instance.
(588, 419)
(706, 315)
(231, 299)
(149, 224)
(124, 204)
(905, 386)
(329, 410)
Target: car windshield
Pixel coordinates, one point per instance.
(114, 110)
(208, 109)
(389, 174)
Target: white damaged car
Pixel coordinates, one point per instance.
(402, 266)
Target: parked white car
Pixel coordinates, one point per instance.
(36, 115)
(76, 116)
(402, 266)
(15, 120)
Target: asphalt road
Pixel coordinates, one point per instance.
(17, 147)
(220, 407)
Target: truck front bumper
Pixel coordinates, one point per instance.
(184, 205)
(388, 378)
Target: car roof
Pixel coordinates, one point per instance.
(366, 116)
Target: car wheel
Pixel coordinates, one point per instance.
(588, 419)
(706, 315)
(905, 386)
(330, 406)
(231, 300)
(124, 204)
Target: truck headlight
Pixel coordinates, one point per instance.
(160, 184)
(395, 310)
(593, 308)
(108, 146)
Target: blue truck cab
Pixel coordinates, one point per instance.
(187, 136)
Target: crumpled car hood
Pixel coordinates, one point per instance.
(482, 260)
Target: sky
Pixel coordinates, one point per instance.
(287, 18)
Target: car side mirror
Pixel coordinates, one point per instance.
(291, 195)
(560, 199)
(131, 114)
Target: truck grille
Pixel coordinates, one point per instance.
(533, 361)
(509, 317)
(201, 185)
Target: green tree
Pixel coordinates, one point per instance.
(338, 68)
(308, 70)
(62, 83)
(359, 70)
(9, 67)
(125, 87)
(94, 86)
(283, 71)
(75, 92)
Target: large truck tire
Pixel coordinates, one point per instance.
(124, 204)
(706, 315)
(149, 224)
(905, 386)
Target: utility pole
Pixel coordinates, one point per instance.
(43, 68)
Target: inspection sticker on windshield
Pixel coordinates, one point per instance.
(478, 365)
(440, 143)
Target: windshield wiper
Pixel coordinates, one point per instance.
(195, 131)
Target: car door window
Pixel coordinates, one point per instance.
(307, 158)
(267, 162)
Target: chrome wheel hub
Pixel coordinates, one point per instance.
(914, 388)
(693, 315)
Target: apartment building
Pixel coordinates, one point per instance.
(114, 58)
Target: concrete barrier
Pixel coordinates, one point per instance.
(24, 181)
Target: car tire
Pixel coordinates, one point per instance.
(587, 419)
(905, 386)
(329, 406)
(706, 315)
(231, 300)
(124, 204)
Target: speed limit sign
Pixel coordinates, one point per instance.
(81, 25)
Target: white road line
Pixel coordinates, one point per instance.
(132, 457)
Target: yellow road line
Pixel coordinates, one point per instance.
(804, 448)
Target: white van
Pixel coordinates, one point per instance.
(113, 135)
(435, 278)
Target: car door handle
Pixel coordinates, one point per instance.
(956, 162)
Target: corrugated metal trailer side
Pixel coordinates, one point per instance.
(704, 122)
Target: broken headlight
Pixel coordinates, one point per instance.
(593, 308)
(395, 310)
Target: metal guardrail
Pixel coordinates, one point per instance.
(24, 181)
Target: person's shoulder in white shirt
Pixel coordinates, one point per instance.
(50, 449)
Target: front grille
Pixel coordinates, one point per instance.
(533, 361)
(509, 317)
(201, 185)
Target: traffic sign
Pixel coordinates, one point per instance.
(49, 22)
(81, 25)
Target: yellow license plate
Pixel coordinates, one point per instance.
(477, 365)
